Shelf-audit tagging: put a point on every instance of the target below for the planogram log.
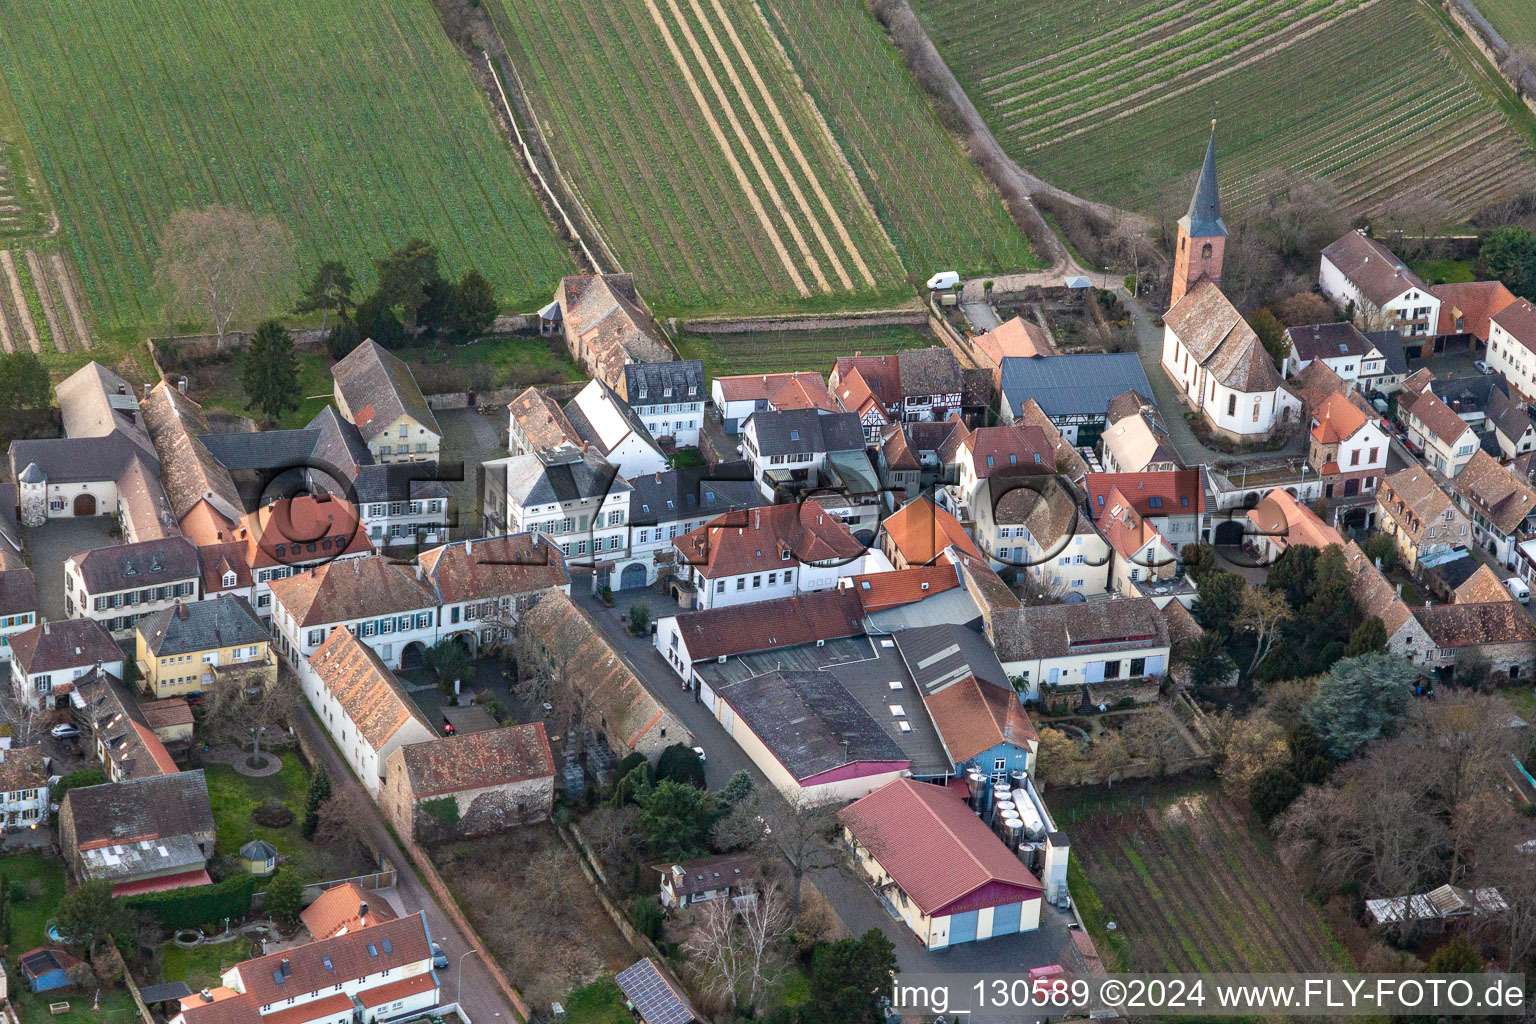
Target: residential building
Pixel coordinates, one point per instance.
(668, 397)
(1498, 634)
(116, 731)
(1034, 529)
(932, 385)
(1015, 338)
(496, 780)
(708, 878)
(1512, 346)
(377, 393)
(766, 553)
(1113, 648)
(24, 801)
(899, 466)
(920, 532)
(732, 631)
(484, 587)
(606, 326)
(1281, 523)
(1136, 440)
(856, 395)
(1394, 366)
(949, 877)
(793, 450)
(1446, 439)
(1366, 280)
(1467, 309)
(666, 506)
(1141, 555)
(988, 453)
(619, 704)
(1501, 506)
(608, 426)
(1379, 599)
(1074, 391)
(1482, 586)
(18, 602)
(343, 909)
(1513, 427)
(1347, 447)
(142, 835)
(1347, 351)
(118, 585)
(48, 658)
(383, 602)
(575, 498)
(191, 648)
(362, 705)
(1419, 517)
(738, 396)
(536, 423)
(1174, 503)
(359, 977)
(795, 393)
(1069, 461)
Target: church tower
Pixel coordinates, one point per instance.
(1202, 234)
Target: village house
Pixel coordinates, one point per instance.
(939, 867)
(115, 731)
(48, 658)
(1446, 439)
(1069, 461)
(484, 587)
(1015, 338)
(377, 393)
(18, 602)
(932, 383)
(1378, 599)
(1513, 427)
(606, 425)
(361, 704)
(1109, 649)
(1363, 277)
(898, 465)
(668, 398)
(920, 532)
(1512, 346)
(191, 648)
(795, 450)
(857, 395)
(1467, 309)
(1482, 586)
(1281, 523)
(143, 835)
(666, 506)
(117, 586)
(1347, 446)
(359, 977)
(1073, 391)
(1501, 506)
(575, 498)
(731, 631)
(1037, 531)
(995, 453)
(536, 423)
(24, 801)
(707, 878)
(1347, 351)
(1174, 503)
(738, 396)
(606, 326)
(1419, 517)
(470, 785)
(342, 909)
(1141, 555)
(384, 603)
(1136, 440)
(1498, 634)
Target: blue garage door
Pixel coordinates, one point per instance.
(633, 576)
(962, 927)
(1005, 919)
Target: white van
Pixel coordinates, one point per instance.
(1516, 586)
(943, 281)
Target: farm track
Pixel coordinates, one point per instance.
(66, 286)
(45, 293)
(27, 330)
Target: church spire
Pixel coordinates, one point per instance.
(1205, 206)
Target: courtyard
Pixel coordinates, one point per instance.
(49, 545)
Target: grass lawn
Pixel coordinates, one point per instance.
(29, 918)
(781, 351)
(685, 458)
(116, 1005)
(218, 388)
(598, 1003)
(1444, 271)
(235, 796)
(201, 967)
(500, 362)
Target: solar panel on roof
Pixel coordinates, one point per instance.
(653, 998)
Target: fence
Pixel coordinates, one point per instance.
(834, 321)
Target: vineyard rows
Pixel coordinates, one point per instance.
(356, 122)
(686, 135)
(1112, 99)
(38, 306)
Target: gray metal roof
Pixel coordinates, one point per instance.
(202, 625)
(940, 655)
(1204, 214)
(807, 431)
(680, 494)
(1072, 385)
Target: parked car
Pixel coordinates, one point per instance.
(64, 731)
(1481, 367)
(1518, 590)
(439, 958)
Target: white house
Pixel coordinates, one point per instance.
(1364, 278)
(1093, 642)
(1501, 505)
(1342, 346)
(1512, 346)
(48, 658)
(668, 398)
(1445, 438)
(377, 393)
(794, 448)
(666, 506)
(575, 498)
(607, 424)
(738, 396)
(118, 585)
(1348, 447)
(382, 601)
(23, 787)
(1035, 527)
(361, 704)
(18, 603)
(484, 586)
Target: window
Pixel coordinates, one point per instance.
(741, 582)
(1138, 667)
(1373, 454)
(403, 430)
(1135, 574)
(1155, 502)
(1258, 404)
(720, 586)
(1231, 402)
(1205, 251)
(773, 579)
(1112, 669)
(757, 581)
(788, 576)
(315, 636)
(57, 504)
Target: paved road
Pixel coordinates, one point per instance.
(849, 895)
(982, 317)
(481, 997)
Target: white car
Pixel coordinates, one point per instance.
(64, 731)
(1482, 367)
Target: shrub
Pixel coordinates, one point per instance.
(680, 764)
(645, 915)
(272, 813)
(444, 810)
(192, 908)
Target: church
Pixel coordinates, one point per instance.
(1209, 351)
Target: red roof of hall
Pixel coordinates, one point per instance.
(934, 848)
(759, 387)
(761, 625)
(1180, 492)
(879, 590)
(920, 530)
(774, 537)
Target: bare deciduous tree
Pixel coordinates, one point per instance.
(1249, 747)
(548, 664)
(1153, 736)
(222, 264)
(27, 720)
(735, 945)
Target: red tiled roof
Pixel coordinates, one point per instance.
(879, 590)
(396, 990)
(934, 848)
(1337, 418)
(921, 530)
(1013, 449)
(758, 387)
(1172, 490)
(335, 911)
(794, 393)
(156, 749)
(332, 1004)
(1125, 530)
(855, 395)
(367, 691)
(1017, 337)
(495, 757)
(349, 956)
(881, 373)
(1477, 302)
(973, 717)
(758, 539)
(1439, 418)
(1281, 516)
(786, 622)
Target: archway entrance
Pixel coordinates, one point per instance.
(633, 576)
(1229, 533)
(411, 656)
(85, 504)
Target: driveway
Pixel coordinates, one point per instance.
(469, 438)
(850, 896)
(981, 315)
(53, 542)
(481, 997)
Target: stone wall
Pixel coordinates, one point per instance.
(846, 321)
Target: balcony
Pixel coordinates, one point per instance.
(251, 674)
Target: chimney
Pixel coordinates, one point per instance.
(181, 385)
(205, 995)
(362, 911)
(677, 874)
(466, 546)
(285, 967)
(181, 611)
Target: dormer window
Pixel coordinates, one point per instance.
(229, 579)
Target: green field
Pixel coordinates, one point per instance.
(355, 122)
(681, 128)
(1112, 98)
(1515, 20)
(783, 351)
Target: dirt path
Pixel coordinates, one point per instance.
(71, 306)
(28, 328)
(753, 200)
(6, 341)
(790, 141)
(45, 294)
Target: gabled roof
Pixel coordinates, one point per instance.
(806, 431)
(1372, 268)
(388, 945)
(1338, 419)
(935, 849)
(366, 689)
(758, 387)
(879, 590)
(691, 492)
(379, 388)
(1216, 335)
(928, 371)
(766, 625)
(881, 373)
(855, 395)
(131, 566)
(1476, 303)
(544, 478)
(794, 393)
(336, 911)
(1509, 414)
(972, 717)
(1482, 586)
(920, 530)
(1018, 338)
(495, 757)
(1009, 451)
(809, 722)
(94, 402)
(896, 449)
(201, 626)
(118, 726)
(150, 808)
(773, 537)
(604, 314)
(1390, 344)
(1203, 219)
(1181, 492)
(604, 420)
(18, 591)
(1438, 418)
(657, 998)
(1047, 511)
(188, 470)
(542, 422)
(1059, 630)
(1376, 597)
(1501, 497)
(493, 567)
(1182, 626)
(1328, 341)
(22, 768)
(1127, 531)
(1316, 381)
(1419, 494)
(1073, 385)
(1068, 459)
(69, 643)
(677, 380)
(352, 588)
(1471, 625)
(1136, 445)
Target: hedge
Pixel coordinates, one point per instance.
(199, 905)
